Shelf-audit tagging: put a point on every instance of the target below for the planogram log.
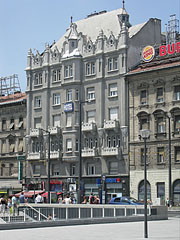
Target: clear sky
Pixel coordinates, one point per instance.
(31, 24)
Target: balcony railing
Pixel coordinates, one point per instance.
(110, 124)
(89, 152)
(53, 130)
(112, 151)
(86, 127)
(34, 156)
(35, 132)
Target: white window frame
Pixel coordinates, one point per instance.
(176, 93)
(57, 120)
(113, 91)
(113, 113)
(91, 169)
(69, 145)
(91, 94)
(56, 99)
(37, 102)
(69, 95)
(91, 115)
(68, 119)
(112, 64)
(90, 68)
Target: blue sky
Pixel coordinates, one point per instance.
(31, 24)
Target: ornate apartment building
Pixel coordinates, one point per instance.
(154, 102)
(12, 141)
(85, 68)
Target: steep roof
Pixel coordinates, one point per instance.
(13, 98)
(107, 21)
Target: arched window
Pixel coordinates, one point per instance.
(141, 190)
(176, 192)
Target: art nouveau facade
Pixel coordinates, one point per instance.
(85, 67)
(154, 99)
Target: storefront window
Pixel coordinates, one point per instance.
(141, 191)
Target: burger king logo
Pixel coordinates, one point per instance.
(148, 53)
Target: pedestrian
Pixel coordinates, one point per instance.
(3, 205)
(22, 198)
(9, 206)
(39, 199)
(67, 200)
(49, 218)
(167, 202)
(14, 205)
(84, 200)
(91, 198)
(96, 200)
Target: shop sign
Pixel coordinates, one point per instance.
(55, 182)
(169, 49)
(112, 180)
(68, 107)
(148, 53)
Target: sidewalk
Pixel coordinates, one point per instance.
(157, 230)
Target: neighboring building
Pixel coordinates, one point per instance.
(86, 65)
(12, 141)
(154, 96)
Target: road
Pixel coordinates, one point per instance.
(166, 230)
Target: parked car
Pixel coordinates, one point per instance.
(125, 201)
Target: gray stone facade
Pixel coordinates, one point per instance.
(154, 95)
(87, 66)
(12, 141)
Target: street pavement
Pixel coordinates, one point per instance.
(157, 230)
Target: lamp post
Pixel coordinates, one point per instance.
(49, 143)
(80, 154)
(145, 134)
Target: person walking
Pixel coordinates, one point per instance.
(91, 198)
(14, 205)
(22, 198)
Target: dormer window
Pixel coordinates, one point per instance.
(72, 44)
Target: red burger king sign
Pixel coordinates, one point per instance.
(148, 53)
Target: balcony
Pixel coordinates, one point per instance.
(54, 155)
(113, 151)
(87, 127)
(54, 130)
(89, 152)
(34, 156)
(110, 124)
(35, 132)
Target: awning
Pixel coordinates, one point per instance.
(46, 194)
(29, 194)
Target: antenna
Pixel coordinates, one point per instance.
(9, 85)
(173, 28)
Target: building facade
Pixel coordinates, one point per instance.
(79, 80)
(12, 142)
(154, 104)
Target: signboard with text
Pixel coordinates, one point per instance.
(69, 107)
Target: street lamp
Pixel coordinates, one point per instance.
(48, 132)
(145, 134)
(80, 154)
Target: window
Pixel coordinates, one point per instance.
(177, 92)
(90, 68)
(69, 95)
(68, 71)
(91, 94)
(11, 166)
(108, 142)
(77, 95)
(160, 95)
(113, 90)
(4, 125)
(90, 143)
(112, 64)
(69, 145)
(37, 102)
(91, 116)
(38, 79)
(36, 169)
(56, 75)
(160, 155)
(55, 170)
(56, 98)
(11, 126)
(77, 145)
(11, 145)
(56, 121)
(114, 142)
(20, 125)
(77, 118)
(144, 123)
(3, 150)
(177, 124)
(160, 125)
(91, 169)
(113, 167)
(72, 169)
(161, 191)
(143, 97)
(20, 146)
(142, 156)
(113, 113)
(37, 123)
(177, 154)
(68, 119)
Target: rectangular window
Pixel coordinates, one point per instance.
(20, 145)
(11, 126)
(144, 123)
(160, 125)
(177, 154)
(160, 97)
(77, 95)
(142, 156)
(160, 155)
(20, 125)
(69, 95)
(56, 121)
(11, 145)
(36, 169)
(90, 93)
(55, 170)
(56, 75)
(177, 92)
(72, 169)
(113, 90)
(37, 102)
(91, 116)
(177, 124)
(38, 79)
(37, 123)
(56, 98)
(90, 68)
(112, 64)
(69, 145)
(4, 126)
(161, 190)
(4, 150)
(77, 145)
(68, 119)
(68, 71)
(91, 169)
(113, 168)
(143, 97)
(113, 113)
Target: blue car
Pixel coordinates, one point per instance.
(125, 201)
